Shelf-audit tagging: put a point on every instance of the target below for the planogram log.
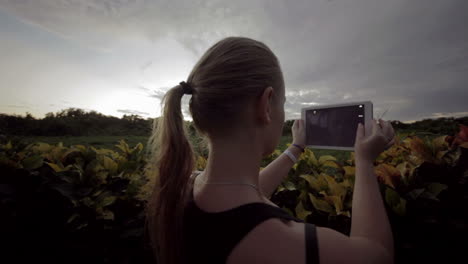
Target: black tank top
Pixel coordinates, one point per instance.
(210, 237)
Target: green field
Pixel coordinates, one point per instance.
(109, 142)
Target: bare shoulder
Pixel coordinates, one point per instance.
(282, 241)
(266, 243)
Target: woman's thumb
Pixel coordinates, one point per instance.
(359, 132)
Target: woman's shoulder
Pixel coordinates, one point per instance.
(277, 240)
(305, 243)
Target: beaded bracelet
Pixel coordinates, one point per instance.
(301, 148)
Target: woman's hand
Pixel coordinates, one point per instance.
(298, 133)
(368, 147)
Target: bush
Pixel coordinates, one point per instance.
(72, 205)
(80, 204)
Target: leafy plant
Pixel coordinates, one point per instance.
(423, 183)
(88, 202)
(73, 201)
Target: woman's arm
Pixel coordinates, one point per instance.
(273, 174)
(369, 218)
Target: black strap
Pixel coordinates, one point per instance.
(312, 254)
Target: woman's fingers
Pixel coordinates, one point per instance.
(388, 132)
(374, 126)
(376, 129)
(297, 123)
(359, 132)
(387, 129)
(389, 144)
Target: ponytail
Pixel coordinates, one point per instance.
(173, 159)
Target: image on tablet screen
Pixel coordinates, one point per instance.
(333, 126)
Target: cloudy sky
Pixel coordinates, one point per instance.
(120, 56)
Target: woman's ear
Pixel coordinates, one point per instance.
(263, 107)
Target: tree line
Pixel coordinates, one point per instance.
(77, 122)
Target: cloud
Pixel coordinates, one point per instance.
(455, 114)
(132, 112)
(94, 24)
(101, 25)
(407, 55)
(159, 93)
(18, 106)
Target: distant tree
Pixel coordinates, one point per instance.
(29, 116)
(49, 115)
(287, 127)
(77, 122)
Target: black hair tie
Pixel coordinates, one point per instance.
(186, 87)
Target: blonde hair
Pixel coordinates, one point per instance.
(230, 75)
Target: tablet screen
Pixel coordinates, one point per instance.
(334, 126)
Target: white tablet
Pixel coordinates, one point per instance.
(334, 126)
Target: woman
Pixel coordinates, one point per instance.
(223, 215)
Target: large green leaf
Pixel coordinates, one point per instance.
(334, 187)
(301, 212)
(138, 148)
(59, 167)
(435, 188)
(40, 147)
(429, 195)
(109, 164)
(311, 158)
(66, 189)
(289, 186)
(8, 146)
(308, 178)
(316, 183)
(331, 164)
(348, 183)
(123, 146)
(336, 201)
(108, 200)
(280, 189)
(301, 166)
(302, 196)
(328, 161)
(107, 214)
(439, 144)
(81, 148)
(414, 194)
(394, 200)
(33, 162)
(388, 174)
(320, 204)
(400, 209)
(349, 171)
